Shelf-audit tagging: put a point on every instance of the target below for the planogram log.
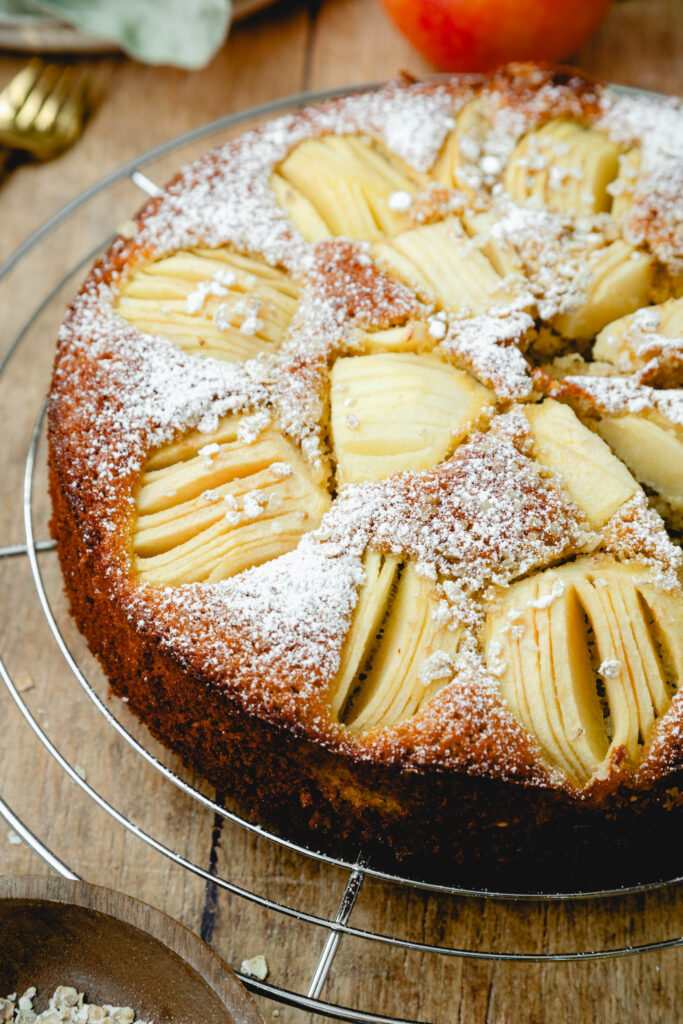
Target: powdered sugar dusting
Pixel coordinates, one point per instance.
(554, 251)
(135, 391)
(288, 611)
(467, 727)
(655, 126)
(486, 516)
(344, 289)
(488, 346)
(637, 532)
(611, 396)
(654, 123)
(229, 199)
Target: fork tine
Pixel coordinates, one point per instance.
(14, 95)
(71, 116)
(47, 116)
(47, 106)
(35, 99)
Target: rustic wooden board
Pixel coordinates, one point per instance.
(283, 50)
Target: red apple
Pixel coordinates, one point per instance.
(478, 35)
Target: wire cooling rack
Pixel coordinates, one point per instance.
(18, 268)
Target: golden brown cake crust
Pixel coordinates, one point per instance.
(246, 704)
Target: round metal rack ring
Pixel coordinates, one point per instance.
(338, 926)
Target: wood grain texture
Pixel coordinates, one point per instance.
(116, 950)
(283, 50)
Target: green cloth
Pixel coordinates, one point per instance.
(185, 33)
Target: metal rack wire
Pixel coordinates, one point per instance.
(338, 925)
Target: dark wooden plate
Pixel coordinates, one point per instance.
(115, 949)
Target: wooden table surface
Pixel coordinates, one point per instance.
(281, 51)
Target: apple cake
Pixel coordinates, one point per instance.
(366, 462)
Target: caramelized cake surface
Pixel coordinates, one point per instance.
(368, 446)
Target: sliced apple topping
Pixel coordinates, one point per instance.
(442, 264)
(536, 644)
(415, 336)
(393, 412)
(593, 477)
(588, 656)
(458, 164)
(381, 574)
(652, 448)
(619, 282)
(211, 302)
(396, 657)
(210, 505)
(650, 333)
(623, 188)
(579, 282)
(344, 185)
(497, 248)
(564, 168)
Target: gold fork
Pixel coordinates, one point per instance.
(42, 110)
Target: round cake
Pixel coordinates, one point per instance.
(366, 462)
